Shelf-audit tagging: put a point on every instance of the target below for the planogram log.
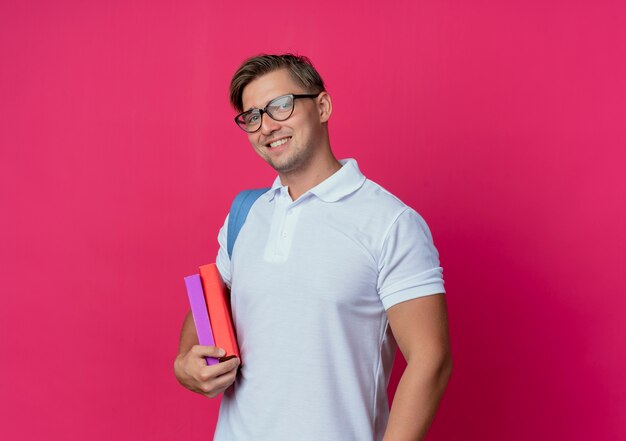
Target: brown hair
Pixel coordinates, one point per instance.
(300, 68)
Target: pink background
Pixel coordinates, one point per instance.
(501, 122)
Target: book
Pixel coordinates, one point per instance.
(200, 314)
(217, 296)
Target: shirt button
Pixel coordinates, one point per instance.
(284, 235)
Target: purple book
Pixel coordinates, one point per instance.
(200, 314)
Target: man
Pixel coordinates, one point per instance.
(330, 273)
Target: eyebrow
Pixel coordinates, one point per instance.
(279, 96)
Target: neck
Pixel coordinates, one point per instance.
(301, 181)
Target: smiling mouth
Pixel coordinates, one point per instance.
(278, 142)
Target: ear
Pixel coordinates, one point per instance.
(324, 106)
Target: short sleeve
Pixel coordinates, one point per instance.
(222, 260)
(409, 262)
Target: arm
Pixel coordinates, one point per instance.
(191, 369)
(420, 327)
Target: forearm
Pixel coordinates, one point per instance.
(416, 400)
(188, 336)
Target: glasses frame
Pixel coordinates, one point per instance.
(293, 96)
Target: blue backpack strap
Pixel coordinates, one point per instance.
(238, 214)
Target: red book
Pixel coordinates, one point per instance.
(217, 301)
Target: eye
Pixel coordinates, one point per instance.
(280, 106)
(251, 118)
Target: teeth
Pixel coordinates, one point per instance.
(279, 142)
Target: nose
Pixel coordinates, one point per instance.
(269, 125)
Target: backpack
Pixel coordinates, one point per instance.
(238, 214)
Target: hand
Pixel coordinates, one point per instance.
(192, 371)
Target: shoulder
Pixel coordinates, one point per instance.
(379, 202)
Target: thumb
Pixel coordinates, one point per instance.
(208, 351)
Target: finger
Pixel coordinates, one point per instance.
(222, 368)
(207, 374)
(207, 351)
(222, 382)
(213, 393)
(219, 385)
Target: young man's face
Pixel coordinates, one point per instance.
(289, 145)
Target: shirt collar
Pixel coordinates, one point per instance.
(343, 182)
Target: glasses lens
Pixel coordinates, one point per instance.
(280, 109)
(250, 120)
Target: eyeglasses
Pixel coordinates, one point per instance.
(279, 109)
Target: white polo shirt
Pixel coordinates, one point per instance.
(310, 281)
